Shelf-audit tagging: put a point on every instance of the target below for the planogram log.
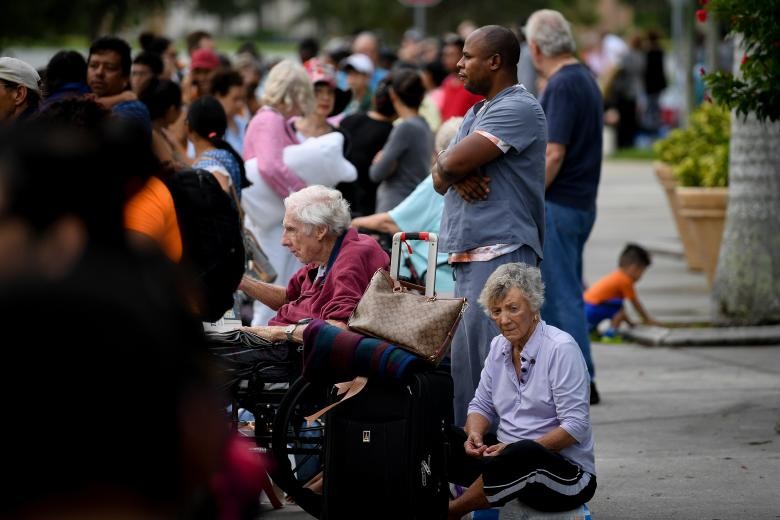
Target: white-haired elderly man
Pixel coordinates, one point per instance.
(339, 263)
(535, 386)
(574, 108)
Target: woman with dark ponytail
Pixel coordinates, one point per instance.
(206, 125)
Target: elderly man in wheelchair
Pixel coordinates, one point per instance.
(264, 363)
(339, 264)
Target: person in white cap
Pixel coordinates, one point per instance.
(20, 91)
(359, 69)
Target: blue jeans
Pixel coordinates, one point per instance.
(595, 314)
(566, 231)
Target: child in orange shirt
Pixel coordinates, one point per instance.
(604, 299)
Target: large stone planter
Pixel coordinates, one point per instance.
(669, 182)
(703, 211)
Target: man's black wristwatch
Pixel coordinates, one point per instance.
(290, 330)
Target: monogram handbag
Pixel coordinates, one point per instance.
(408, 315)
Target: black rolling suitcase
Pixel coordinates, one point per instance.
(386, 451)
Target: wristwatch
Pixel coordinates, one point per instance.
(290, 330)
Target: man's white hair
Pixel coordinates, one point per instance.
(316, 206)
(289, 87)
(551, 33)
(446, 133)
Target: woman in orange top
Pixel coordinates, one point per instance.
(150, 218)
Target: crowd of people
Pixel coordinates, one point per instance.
(443, 136)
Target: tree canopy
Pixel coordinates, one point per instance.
(755, 89)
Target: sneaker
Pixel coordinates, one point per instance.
(611, 340)
(595, 398)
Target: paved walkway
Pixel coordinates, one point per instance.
(683, 433)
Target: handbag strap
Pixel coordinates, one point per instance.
(350, 388)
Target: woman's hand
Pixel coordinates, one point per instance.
(495, 449)
(474, 446)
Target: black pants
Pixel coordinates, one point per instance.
(524, 470)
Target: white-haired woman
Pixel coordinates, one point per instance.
(535, 384)
(288, 92)
(339, 263)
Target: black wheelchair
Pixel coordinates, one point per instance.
(263, 378)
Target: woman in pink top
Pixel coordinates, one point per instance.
(288, 92)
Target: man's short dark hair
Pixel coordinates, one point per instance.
(64, 67)
(151, 43)
(500, 40)
(194, 38)
(308, 48)
(453, 39)
(408, 86)
(634, 255)
(151, 60)
(117, 45)
(223, 79)
(437, 71)
(159, 95)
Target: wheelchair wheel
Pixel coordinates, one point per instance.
(298, 448)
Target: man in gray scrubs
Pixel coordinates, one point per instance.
(492, 179)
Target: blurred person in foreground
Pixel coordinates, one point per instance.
(70, 278)
(534, 388)
(135, 402)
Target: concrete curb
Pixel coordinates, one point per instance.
(704, 336)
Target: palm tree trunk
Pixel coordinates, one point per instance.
(746, 290)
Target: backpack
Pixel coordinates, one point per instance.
(212, 240)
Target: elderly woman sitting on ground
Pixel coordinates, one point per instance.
(535, 384)
(339, 265)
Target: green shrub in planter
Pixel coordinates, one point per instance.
(699, 154)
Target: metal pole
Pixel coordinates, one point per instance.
(682, 42)
(419, 18)
(711, 40)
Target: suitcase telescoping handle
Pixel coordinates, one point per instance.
(433, 250)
